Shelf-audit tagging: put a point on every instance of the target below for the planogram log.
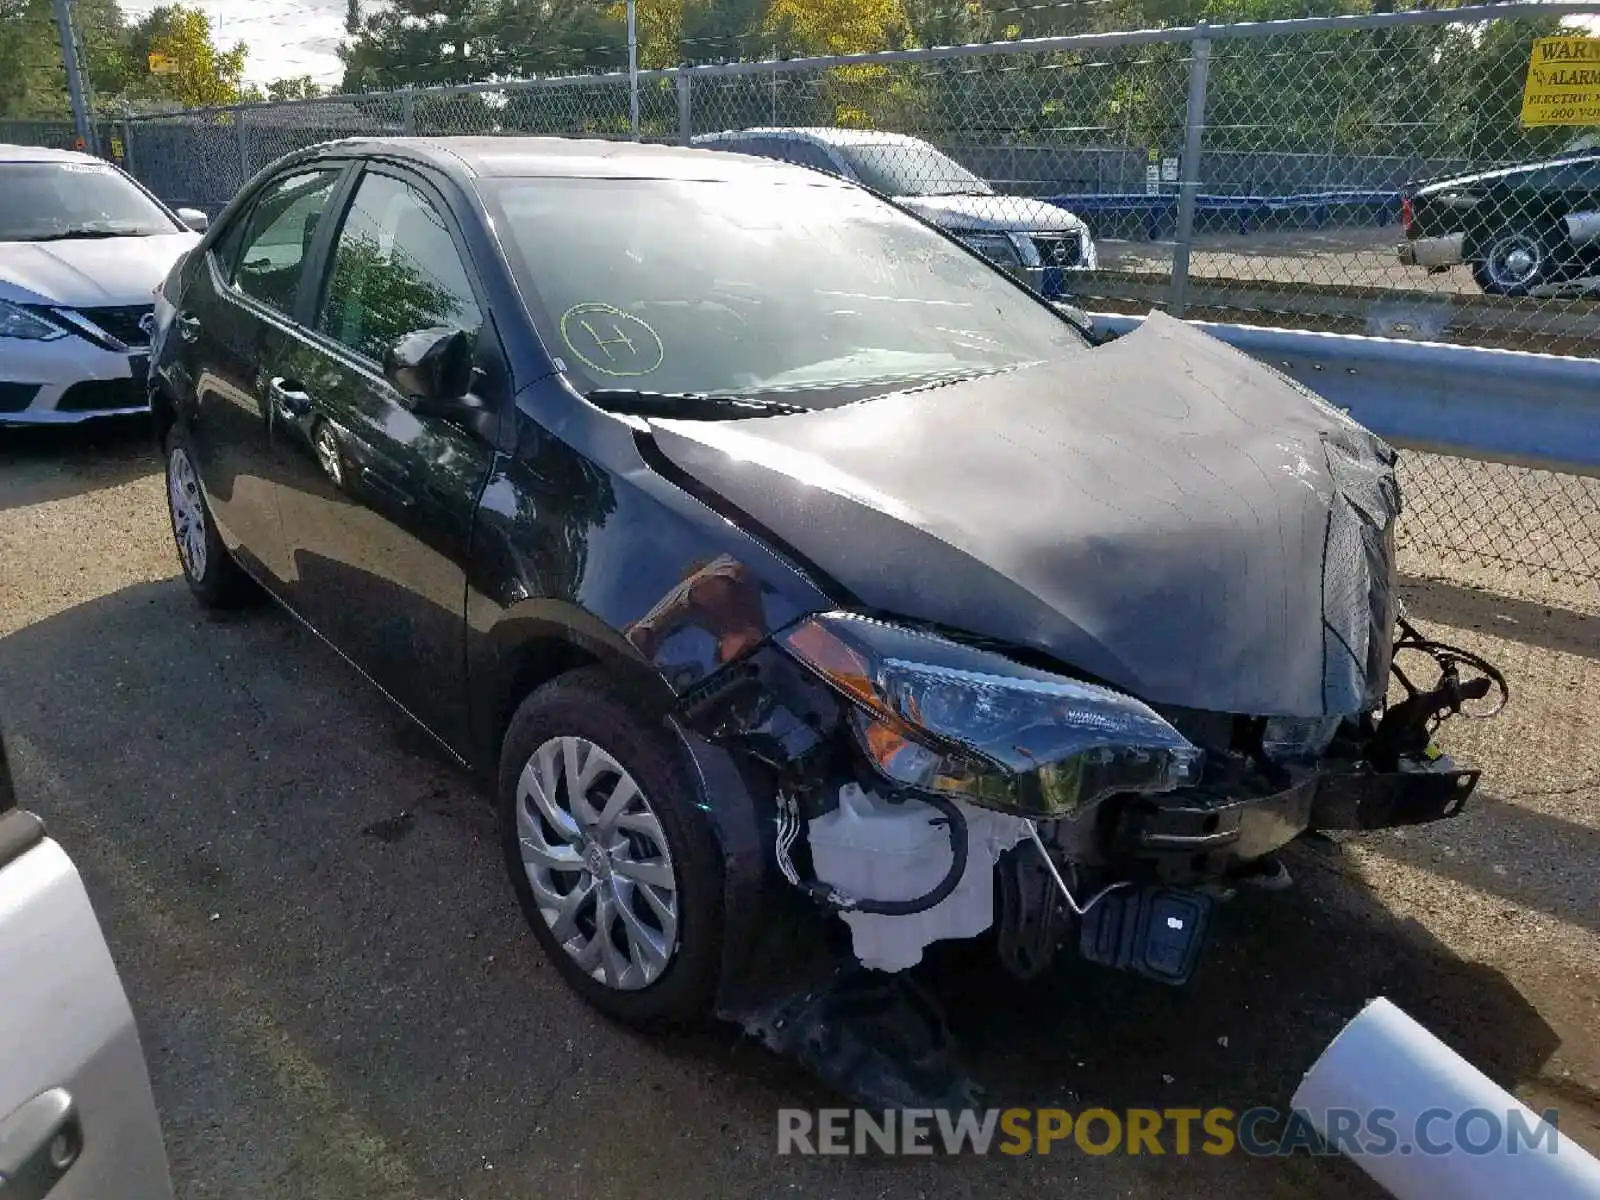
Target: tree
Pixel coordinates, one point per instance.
(297, 87)
(32, 83)
(658, 28)
(816, 27)
(197, 72)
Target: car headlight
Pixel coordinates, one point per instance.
(999, 248)
(19, 323)
(935, 715)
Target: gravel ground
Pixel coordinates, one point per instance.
(338, 998)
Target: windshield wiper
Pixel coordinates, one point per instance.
(86, 231)
(690, 406)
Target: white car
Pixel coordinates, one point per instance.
(77, 1116)
(82, 246)
(1039, 242)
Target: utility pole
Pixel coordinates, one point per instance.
(69, 60)
(633, 68)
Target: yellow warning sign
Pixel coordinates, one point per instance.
(1563, 85)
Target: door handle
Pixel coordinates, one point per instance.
(39, 1142)
(188, 326)
(291, 399)
(385, 487)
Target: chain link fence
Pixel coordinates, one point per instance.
(1260, 174)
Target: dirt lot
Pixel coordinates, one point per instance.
(338, 998)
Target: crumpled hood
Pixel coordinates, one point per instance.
(89, 272)
(1004, 214)
(1162, 513)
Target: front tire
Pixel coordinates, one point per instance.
(614, 865)
(216, 580)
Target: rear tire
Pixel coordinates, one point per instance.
(1512, 262)
(612, 861)
(216, 580)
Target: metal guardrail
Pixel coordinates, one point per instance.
(1554, 326)
(1505, 406)
(1500, 451)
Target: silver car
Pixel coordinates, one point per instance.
(1039, 242)
(77, 1116)
(82, 246)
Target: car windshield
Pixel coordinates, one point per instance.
(910, 169)
(741, 288)
(47, 201)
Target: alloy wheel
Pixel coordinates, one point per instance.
(1515, 260)
(598, 863)
(188, 512)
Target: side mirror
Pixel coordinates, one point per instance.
(194, 219)
(430, 366)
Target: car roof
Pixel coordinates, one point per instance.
(829, 134)
(11, 153)
(585, 158)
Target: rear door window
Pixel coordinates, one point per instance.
(278, 234)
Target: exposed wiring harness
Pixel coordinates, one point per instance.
(1450, 660)
(1061, 884)
(789, 825)
(1407, 726)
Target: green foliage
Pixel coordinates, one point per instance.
(296, 87)
(375, 298)
(115, 58)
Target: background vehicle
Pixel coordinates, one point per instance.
(77, 1118)
(1521, 228)
(795, 556)
(81, 247)
(1038, 242)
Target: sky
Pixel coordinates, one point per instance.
(285, 37)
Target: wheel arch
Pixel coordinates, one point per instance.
(163, 411)
(530, 647)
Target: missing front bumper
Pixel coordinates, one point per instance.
(1208, 838)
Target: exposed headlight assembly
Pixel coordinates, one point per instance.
(25, 326)
(937, 716)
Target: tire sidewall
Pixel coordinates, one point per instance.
(214, 587)
(1494, 287)
(586, 704)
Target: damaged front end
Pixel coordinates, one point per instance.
(1095, 661)
(913, 772)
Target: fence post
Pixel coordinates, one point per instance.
(685, 104)
(408, 110)
(1194, 124)
(244, 146)
(129, 163)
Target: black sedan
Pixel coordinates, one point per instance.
(770, 551)
(1522, 229)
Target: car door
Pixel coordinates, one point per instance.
(377, 508)
(77, 1116)
(232, 328)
